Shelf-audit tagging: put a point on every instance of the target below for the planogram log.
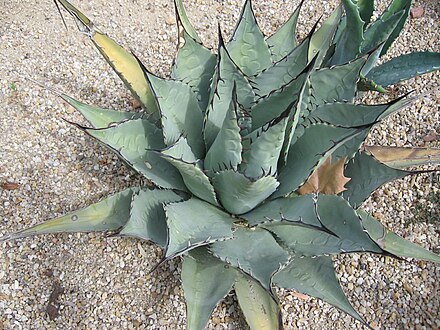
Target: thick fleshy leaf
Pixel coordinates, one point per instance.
(181, 14)
(283, 71)
(239, 194)
(367, 174)
(147, 217)
(255, 252)
(259, 307)
(180, 112)
(402, 157)
(393, 243)
(404, 67)
(337, 83)
(107, 215)
(225, 152)
(315, 277)
(274, 104)
(394, 7)
(283, 41)
(380, 31)
(348, 46)
(299, 210)
(327, 179)
(341, 231)
(206, 280)
(348, 115)
(181, 150)
(322, 39)
(247, 47)
(195, 179)
(194, 223)
(264, 147)
(309, 152)
(366, 9)
(99, 117)
(195, 66)
(123, 62)
(131, 140)
(227, 76)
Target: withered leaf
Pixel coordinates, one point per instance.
(10, 186)
(328, 179)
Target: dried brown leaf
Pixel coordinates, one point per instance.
(328, 179)
(10, 186)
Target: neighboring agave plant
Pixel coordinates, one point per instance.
(255, 157)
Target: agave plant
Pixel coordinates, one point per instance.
(255, 157)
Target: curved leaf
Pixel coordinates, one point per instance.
(98, 117)
(227, 76)
(247, 47)
(322, 39)
(341, 231)
(348, 46)
(106, 215)
(181, 14)
(393, 243)
(404, 67)
(380, 31)
(225, 151)
(195, 65)
(274, 104)
(239, 194)
(259, 308)
(283, 71)
(131, 140)
(195, 179)
(194, 223)
(367, 174)
(315, 277)
(394, 7)
(123, 62)
(309, 152)
(206, 280)
(283, 41)
(180, 112)
(264, 147)
(147, 217)
(255, 252)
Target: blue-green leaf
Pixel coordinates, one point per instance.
(247, 47)
(367, 174)
(107, 215)
(348, 46)
(263, 148)
(283, 71)
(404, 67)
(206, 280)
(239, 194)
(147, 217)
(194, 223)
(245, 252)
(225, 152)
(180, 112)
(227, 76)
(131, 140)
(195, 179)
(195, 66)
(283, 41)
(315, 277)
(310, 151)
(393, 243)
(98, 117)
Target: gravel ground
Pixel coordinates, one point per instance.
(86, 281)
